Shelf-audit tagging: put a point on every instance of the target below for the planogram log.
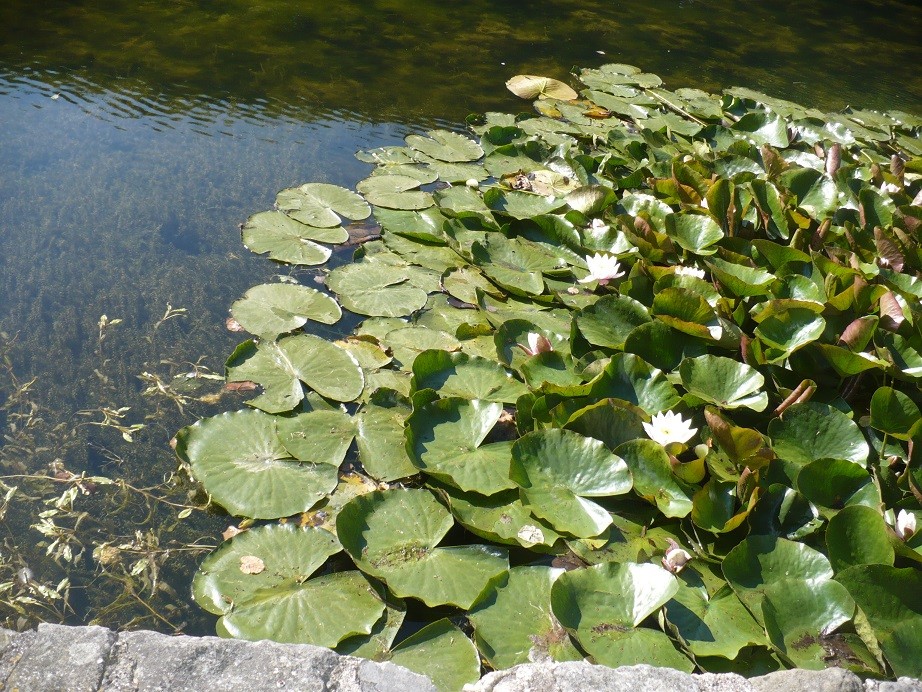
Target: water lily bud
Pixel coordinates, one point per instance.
(905, 524)
(472, 183)
(701, 451)
(675, 557)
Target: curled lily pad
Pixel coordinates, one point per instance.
(894, 413)
(558, 469)
(322, 204)
(653, 477)
(712, 625)
(242, 464)
(271, 309)
(529, 86)
(393, 534)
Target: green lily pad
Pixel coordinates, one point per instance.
(791, 329)
(289, 555)
(717, 625)
(441, 652)
(513, 623)
(322, 205)
(632, 379)
(425, 224)
(379, 290)
(457, 374)
(895, 414)
(610, 320)
(280, 367)
(393, 534)
(693, 232)
(376, 645)
(662, 346)
(603, 605)
(610, 421)
(268, 310)
(320, 437)
(558, 469)
(858, 535)
(513, 264)
(240, 461)
(812, 430)
(395, 192)
(688, 312)
(321, 611)
(653, 477)
(445, 439)
(443, 145)
(724, 382)
(891, 599)
(761, 563)
(801, 614)
(501, 518)
(837, 483)
(380, 439)
(287, 240)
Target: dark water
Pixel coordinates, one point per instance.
(135, 136)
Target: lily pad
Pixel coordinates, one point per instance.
(380, 439)
(610, 320)
(717, 625)
(280, 367)
(242, 464)
(443, 145)
(322, 205)
(724, 382)
(376, 289)
(514, 624)
(445, 440)
(858, 536)
(393, 534)
(320, 437)
(653, 477)
(529, 86)
(457, 374)
(268, 310)
(322, 611)
(290, 241)
(812, 430)
(289, 554)
(441, 652)
(558, 469)
(603, 605)
(895, 414)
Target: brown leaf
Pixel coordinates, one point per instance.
(230, 532)
(858, 333)
(242, 386)
(891, 312)
(888, 252)
(833, 159)
(233, 325)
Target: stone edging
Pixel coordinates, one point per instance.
(84, 659)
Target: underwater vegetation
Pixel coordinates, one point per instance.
(633, 377)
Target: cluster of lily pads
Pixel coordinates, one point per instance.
(636, 380)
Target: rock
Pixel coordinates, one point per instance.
(55, 658)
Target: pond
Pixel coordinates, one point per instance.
(134, 141)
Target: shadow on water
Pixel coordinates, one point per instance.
(137, 136)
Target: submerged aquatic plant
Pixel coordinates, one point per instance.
(770, 276)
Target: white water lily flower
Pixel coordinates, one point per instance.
(689, 271)
(669, 427)
(676, 557)
(602, 268)
(537, 343)
(905, 524)
(889, 187)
